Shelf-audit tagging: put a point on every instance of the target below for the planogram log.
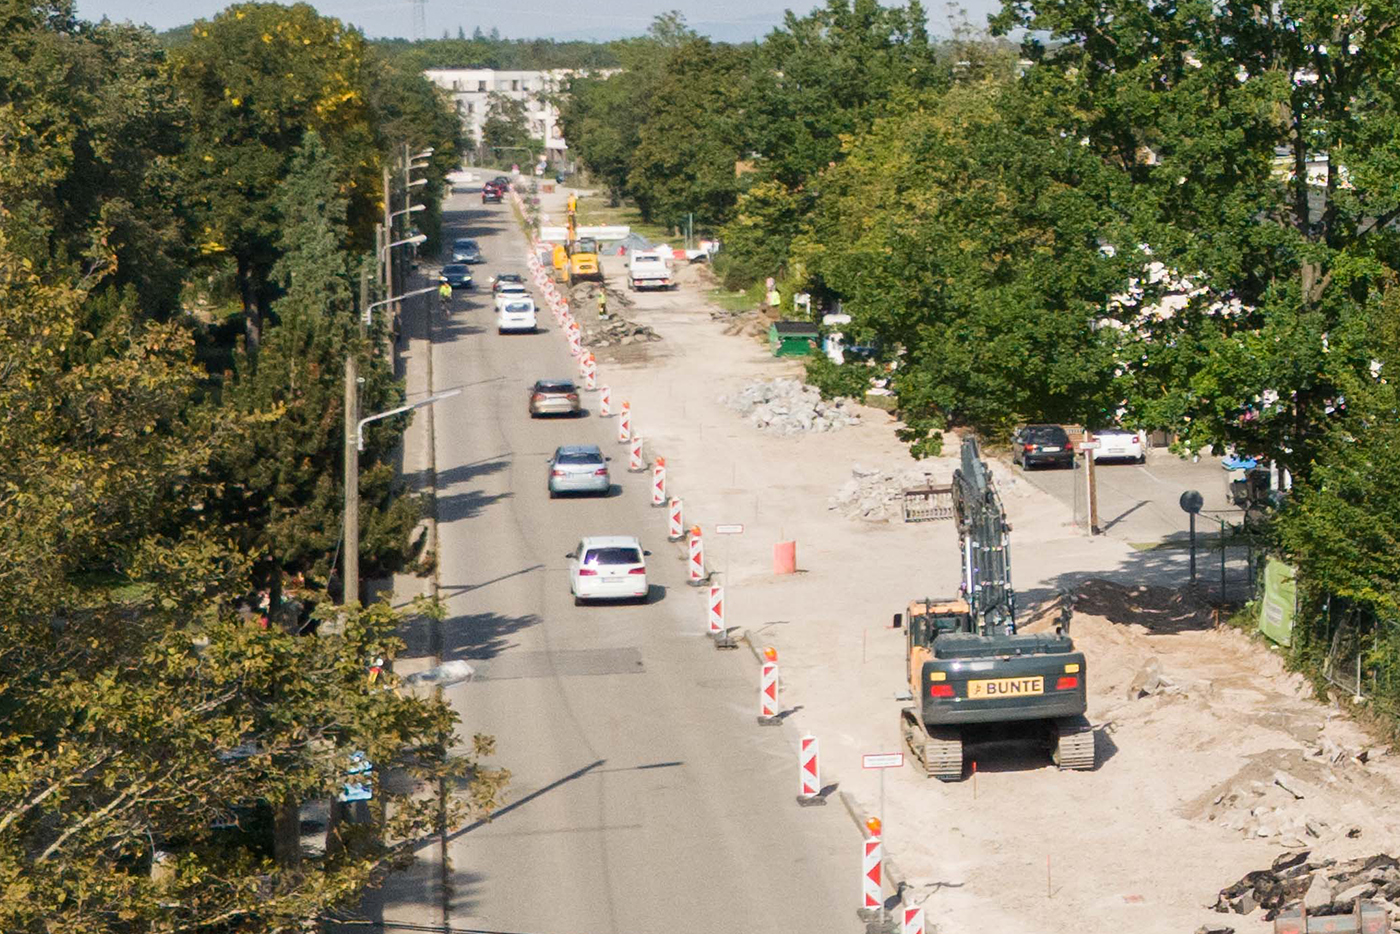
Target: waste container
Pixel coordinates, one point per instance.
(793, 338)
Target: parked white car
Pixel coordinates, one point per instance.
(515, 315)
(1120, 444)
(607, 567)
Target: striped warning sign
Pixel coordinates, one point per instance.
(870, 879)
(913, 921)
(809, 771)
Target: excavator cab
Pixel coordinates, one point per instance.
(927, 620)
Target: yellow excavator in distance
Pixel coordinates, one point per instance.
(577, 259)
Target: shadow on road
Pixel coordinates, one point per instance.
(467, 505)
(479, 636)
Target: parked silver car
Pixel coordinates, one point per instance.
(578, 468)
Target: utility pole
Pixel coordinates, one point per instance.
(388, 260)
(1093, 483)
(352, 462)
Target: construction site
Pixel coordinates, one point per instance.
(1182, 781)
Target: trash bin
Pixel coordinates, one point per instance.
(792, 338)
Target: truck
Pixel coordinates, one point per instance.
(968, 666)
(648, 270)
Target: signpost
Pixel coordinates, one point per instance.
(882, 761)
(1191, 503)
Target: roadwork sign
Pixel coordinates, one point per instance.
(882, 760)
(733, 529)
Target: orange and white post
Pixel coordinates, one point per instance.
(624, 424)
(636, 463)
(695, 565)
(675, 529)
(605, 402)
(872, 898)
(590, 373)
(809, 781)
(714, 615)
(658, 482)
(913, 922)
(768, 689)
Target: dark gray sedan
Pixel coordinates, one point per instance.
(578, 468)
(466, 250)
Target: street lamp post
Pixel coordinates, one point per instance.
(365, 315)
(353, 446)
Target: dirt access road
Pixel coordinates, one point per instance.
(1184, 800)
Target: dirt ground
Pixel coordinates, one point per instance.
(1213, 760)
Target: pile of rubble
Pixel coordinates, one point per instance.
(585, 295)
(615, 330)
(1271, 808)
(788, 406)
(878, 495)
(1324, 887)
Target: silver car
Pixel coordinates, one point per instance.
(578, 468)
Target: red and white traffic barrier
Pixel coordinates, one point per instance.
(636, 463)
(913, 921)
(809, 783)
(695, 564)
(675, 529)
(590, 375)
(768, 689)
(714, 613)
(605, 402)
(575, 348)
(871, 874)
(582, 364)
(624, 424)
(658, 482)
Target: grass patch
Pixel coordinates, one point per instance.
(594, 211)
(733, 302)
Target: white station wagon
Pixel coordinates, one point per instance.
(515, 314)
(608, 567)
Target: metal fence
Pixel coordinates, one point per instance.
(1363, 654)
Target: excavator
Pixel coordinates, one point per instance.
(968, 666)
(577, 259)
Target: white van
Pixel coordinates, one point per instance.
(648, 270)
(516, 314)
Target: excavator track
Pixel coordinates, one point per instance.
(940, 752)
(1074, 744)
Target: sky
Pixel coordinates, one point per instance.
(726, 20)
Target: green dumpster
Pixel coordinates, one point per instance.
(793, 338)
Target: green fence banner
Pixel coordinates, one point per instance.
(1280, 603)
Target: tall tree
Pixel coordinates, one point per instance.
(280, 488)
(256, 77)
(1259, 266)
(689, 138)
(92, 127)
(506, 131)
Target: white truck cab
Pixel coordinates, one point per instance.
(649, 270)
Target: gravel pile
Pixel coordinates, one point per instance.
(788, 406)
(878, 495)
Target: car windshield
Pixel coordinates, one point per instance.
(508, 277)
(586, 245)
(454, 271)
(613, 556)
(1046, 434)
(465, 244)
(554, 387)
(579, 457)
(514, 287)
(519, 307)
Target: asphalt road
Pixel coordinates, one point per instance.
(1139, 503)
(644, 797)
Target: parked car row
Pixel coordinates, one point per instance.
(1039, 445)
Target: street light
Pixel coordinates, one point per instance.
(436, 397)
(415, 239)
(351, 592)
(366, 316)
(412, 208)
(416, 182)
(422, 155)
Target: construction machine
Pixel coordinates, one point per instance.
(579, 259)
(967, 664)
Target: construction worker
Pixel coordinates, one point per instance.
(573, 202)
(445, 295)
(602, 303)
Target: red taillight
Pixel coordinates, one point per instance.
(572, 397)
(1068, 682)
(601, 472)
(587, 572)
(637, 571)
(556, 473)
(537, 397)
(1136, 440)
(940, 690)
(1030, 447)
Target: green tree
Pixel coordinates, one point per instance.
(280, 488)
(506, 131)
(1267, 264)
(689, 139)
(256, 77)
(964, 237)
(91, 128)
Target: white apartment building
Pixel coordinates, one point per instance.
(470, 89)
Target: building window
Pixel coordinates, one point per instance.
(515, 84)
(480, 86)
